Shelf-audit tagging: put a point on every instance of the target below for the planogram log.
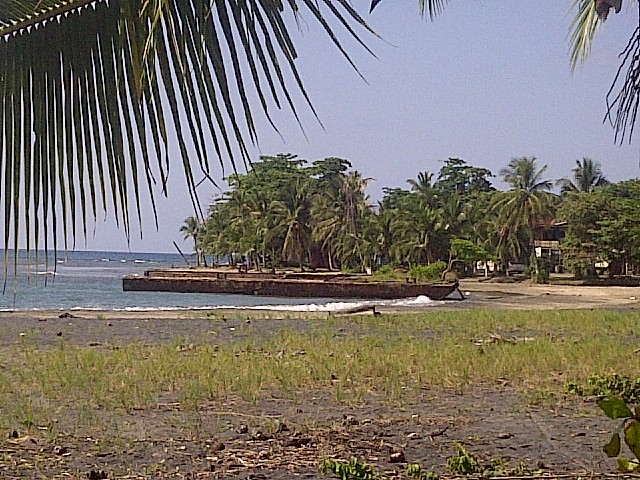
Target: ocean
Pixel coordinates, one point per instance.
(92, 280)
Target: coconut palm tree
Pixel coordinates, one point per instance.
(423, 184)
(415, 226)
(355, 214)
(217, 237)
(520, 210)
(92, 93)
(522, 174)
(587, 175)
(291, 220)
(193, 229)
(338, 216)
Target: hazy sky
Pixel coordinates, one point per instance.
(487, 81)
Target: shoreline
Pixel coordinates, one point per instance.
(478, 295)
(531, 296)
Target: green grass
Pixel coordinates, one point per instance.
(392, 357)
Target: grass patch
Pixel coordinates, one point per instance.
(388, 356)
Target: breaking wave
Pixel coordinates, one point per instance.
(421, 301)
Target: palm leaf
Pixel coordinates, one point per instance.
(583, 28)
(623, 98)
(434, 7)
(94, 93)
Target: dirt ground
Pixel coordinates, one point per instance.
(286, 438)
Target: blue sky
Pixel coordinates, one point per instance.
(487, 81)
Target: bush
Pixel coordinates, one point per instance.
(542, 276)
(432, 271)
(387, 273)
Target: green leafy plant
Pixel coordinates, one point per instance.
(432, 271)
(462, 462)
(414, 470)
(351, 470)
(388, 273)
(614, 385)
(541, 276)
(617, 408)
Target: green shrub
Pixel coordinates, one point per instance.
(432, 271)
(352, 470)
(542, 276)
(462, 463)
(607, 386)
(388, 273)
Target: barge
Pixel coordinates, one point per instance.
(309, 285)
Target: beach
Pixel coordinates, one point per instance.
(531, 296)
(283, 434)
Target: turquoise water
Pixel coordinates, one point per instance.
(93, 280)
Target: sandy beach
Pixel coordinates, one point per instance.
(530, 296)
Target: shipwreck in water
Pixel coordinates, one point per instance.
(300, 285)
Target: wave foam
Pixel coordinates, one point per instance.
(421, 301)
(329, 307)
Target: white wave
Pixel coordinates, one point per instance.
(313, 307)
(421, 301)
(139, 261)
(105, 260)
(412, 302)
(329, 307)
(159, 309)
(47, 272)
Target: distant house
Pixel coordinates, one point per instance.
(548, 243)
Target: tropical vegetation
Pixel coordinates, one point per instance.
(603, 228)
(287, 212)
(587, 175)
(92, 93)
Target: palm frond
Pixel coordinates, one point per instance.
(434, 7)
(623, 97)
(94, 93)
(582, 30)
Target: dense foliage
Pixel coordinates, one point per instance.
(603, 226)
(286, 211)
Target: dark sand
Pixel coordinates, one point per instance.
(284, 438)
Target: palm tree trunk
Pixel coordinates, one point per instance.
(195, 249)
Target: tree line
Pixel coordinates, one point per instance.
(286, 211)
(100, 93)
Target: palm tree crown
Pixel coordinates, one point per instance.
(522, 174)
(587, 175)
(520, 210)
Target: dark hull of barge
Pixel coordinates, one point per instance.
(301, 285)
